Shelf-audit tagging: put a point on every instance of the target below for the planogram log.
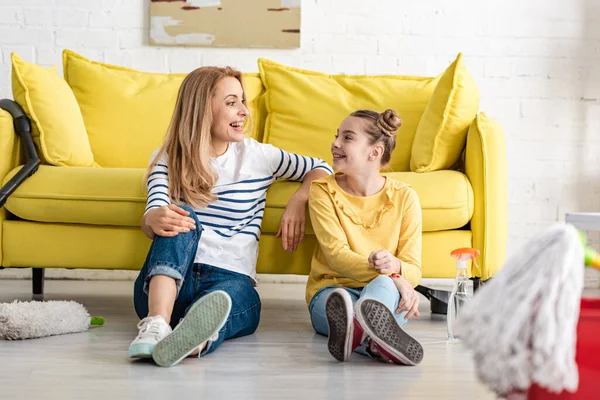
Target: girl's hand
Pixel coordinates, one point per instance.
(293, 223)
(168, 220)
(384, 262)
(409, 300)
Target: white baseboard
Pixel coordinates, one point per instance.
(71, 274)
(592, 277)
(120, 275)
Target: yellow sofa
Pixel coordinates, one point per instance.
(82, 209)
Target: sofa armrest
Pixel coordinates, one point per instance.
(9, 157)
(485, 166)
(22, 127)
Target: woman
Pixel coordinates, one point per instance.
(206, 197)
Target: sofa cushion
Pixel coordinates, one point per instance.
(446, 198)
(117, 196)
(58, 128)
(255, 100)
(127, 112)
(305, 108)
(98, 196)
(442, 132)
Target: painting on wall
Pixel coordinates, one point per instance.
(225, 23)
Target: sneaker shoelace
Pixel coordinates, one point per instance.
(151, 327)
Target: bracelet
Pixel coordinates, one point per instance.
(395, 275)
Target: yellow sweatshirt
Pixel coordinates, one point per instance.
(349, 228)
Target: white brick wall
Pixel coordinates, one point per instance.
(537, 64)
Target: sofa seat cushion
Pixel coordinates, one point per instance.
(97, 196)
(117, 196)
(446, 198)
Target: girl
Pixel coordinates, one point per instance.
(206, 198)
(369, 253)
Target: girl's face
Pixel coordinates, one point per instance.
(352, 151)
(229, 111)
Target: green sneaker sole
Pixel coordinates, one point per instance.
(203, 320)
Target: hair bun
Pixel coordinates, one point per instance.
(389, 122)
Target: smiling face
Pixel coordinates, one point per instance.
(352, 149)
(229, 111)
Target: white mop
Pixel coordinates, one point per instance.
(522, 326)
(35, 319)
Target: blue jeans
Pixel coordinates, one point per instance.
(173, 257)
(381, 288)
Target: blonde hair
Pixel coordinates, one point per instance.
(188, 141)
(381, 127)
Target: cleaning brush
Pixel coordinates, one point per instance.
(34, 319)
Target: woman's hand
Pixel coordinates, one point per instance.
(167, 221)
(293, 222)
(384, 262)
(409, 298)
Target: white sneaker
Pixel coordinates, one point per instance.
(152, 330)
(201, 324)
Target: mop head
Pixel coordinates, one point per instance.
(522, 326)
(33, 319)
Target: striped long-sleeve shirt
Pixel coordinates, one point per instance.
(231, 224)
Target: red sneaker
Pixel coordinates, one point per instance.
(345, 333)
(389, 342)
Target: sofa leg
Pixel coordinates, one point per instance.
(38, 283)
(476, 284)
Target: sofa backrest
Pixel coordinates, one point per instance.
(305, 108)
(127, 112)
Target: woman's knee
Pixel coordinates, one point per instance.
(192, 213)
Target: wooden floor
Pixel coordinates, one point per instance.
(284, 359)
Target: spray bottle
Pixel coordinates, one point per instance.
(460, 292)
